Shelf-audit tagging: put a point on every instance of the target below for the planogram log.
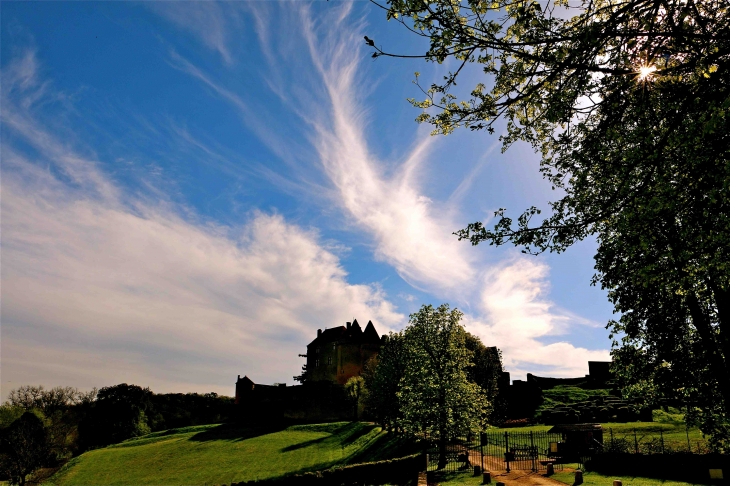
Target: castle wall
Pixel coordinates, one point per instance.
(339, 353)
(352, 359)
(319, 401)
(322, 362)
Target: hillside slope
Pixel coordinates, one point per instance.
(217, 454)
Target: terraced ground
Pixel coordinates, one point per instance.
(219, 454)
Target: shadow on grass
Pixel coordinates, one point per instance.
(343, 434)
(237, 432)
(354, 431)
(306, 443)
(384, 446)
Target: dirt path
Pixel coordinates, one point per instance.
(523, 478)
(514, 477)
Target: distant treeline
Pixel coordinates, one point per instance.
(40, 427)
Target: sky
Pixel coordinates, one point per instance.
(190, 190)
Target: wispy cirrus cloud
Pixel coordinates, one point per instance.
(507, 301)
(100, 286)
(410, 231)
(214, 23)
(136, 288)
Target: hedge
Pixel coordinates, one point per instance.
(677, 466)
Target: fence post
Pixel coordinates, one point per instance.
(482, 436)
(610, 429)
(636, 442)
(506, 449)
(532, 452)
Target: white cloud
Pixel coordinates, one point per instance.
(516, 314)
(100, 287)
(508, 302)
(411, 232)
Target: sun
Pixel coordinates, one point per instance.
(646, 73)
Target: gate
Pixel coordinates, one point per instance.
(498, 451)
(520, 450)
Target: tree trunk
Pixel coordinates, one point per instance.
(718, 362)
(721, 296)
(442, 451)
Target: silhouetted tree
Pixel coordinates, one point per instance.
(383, 375)
(119, 413)
(486, 373)
(24, 447)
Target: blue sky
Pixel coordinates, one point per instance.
(190, 190)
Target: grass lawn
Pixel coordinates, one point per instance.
(217, 454)
(667, 426)
(596, 479)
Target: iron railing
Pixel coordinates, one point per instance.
(496, 451)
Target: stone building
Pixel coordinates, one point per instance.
(339, 353)
(335, 355)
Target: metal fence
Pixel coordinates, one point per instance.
(497, 451)
(632, 441)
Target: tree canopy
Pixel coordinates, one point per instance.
(485, 372)
(24, 447)
(627, 103)
(383, 374)
(435, 393)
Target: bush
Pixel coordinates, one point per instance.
(677, 466)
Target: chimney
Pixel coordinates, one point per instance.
(239, 377)
(349, 324)
(319, 332)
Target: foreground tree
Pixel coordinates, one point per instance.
(24, 447)
(627, 103)
(435, 393)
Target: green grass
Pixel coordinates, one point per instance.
(596, 479)
(674, 435)
(648, 434)
(217, 454)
